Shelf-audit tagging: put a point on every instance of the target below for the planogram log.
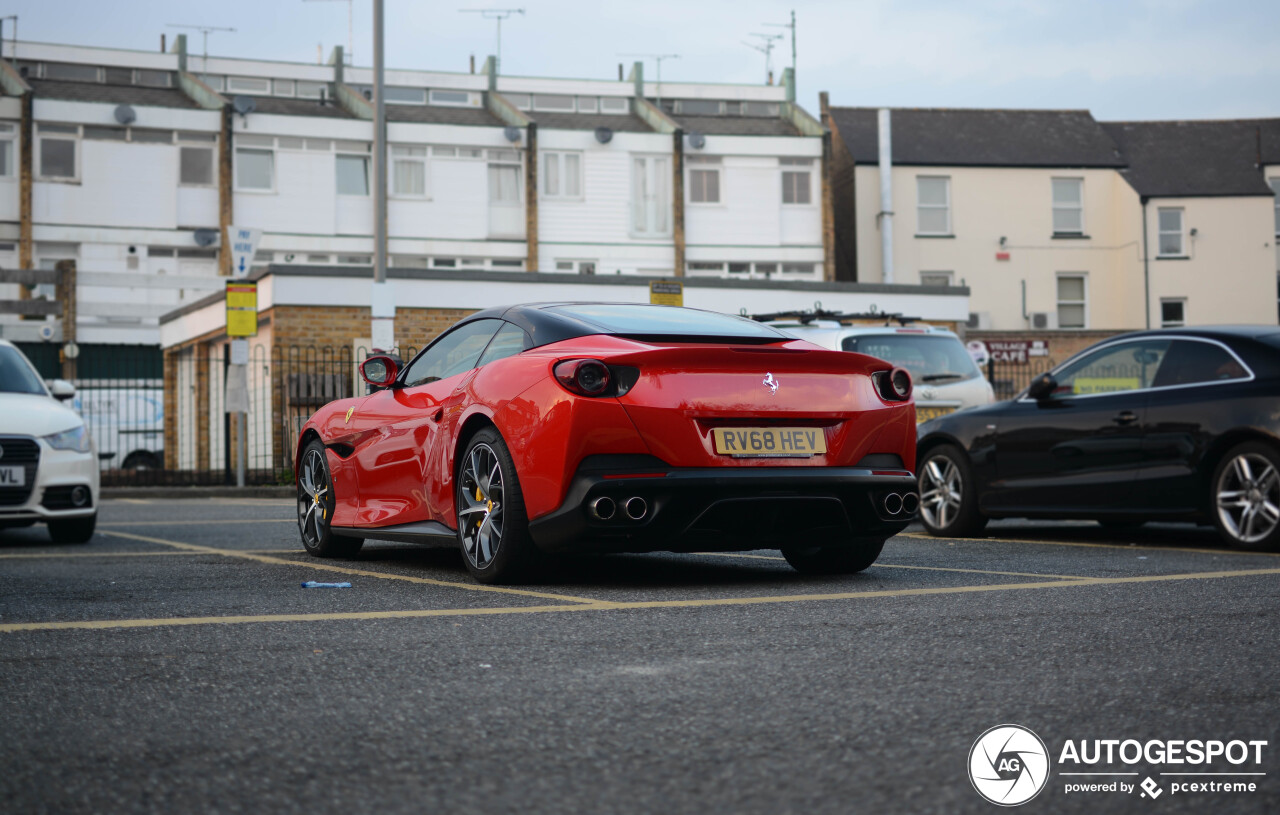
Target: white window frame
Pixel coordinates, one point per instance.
(254, 88)
(656, 207)
(704, 164)
(944, 207)
(1181, 232)
(797, 166)
(1079, 181)
(505, 159)
(1182, 301)
(577, 266)
(235, 169)
(368, 173)
(198, 144)
(9, 142)
(41, 135)
(1084, 278)
(439, 101)
(421, 160)
(615, 105)
(560, 160)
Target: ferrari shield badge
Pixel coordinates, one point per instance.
(350, 410)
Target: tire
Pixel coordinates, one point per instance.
(73, 530)
(948, 494)
(316, 502)
(1244, 497)
(493, 527)
(141, 460)
(829, 560)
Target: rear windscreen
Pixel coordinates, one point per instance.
(933, 359)
(669, 321)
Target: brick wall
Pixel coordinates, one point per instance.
(340, 326)
(1061, 344)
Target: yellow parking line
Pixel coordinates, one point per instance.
(921, 568)
(42, 556)
(329, 567)
(1127, 547)
(132, 500)
(612, 606)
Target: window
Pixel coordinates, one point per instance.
(1275, 187)
(699, 107)
(1169, 223)
(454, 353)
(312, 90)
(704, 179)
(248, 84)
(72, 72)
(760, 109)
(405, 96)
(353, 175)
(150, 136)
(522, 101)
(1126, 366)
(615, 104)
(1071, 301)
(588, 104)
(1173, 312)
(58, 145)
(101, 133)
(1193, 362)
(562, 175)
(933, 205)
(799, 268)
(195, 164)
(553, 102)
(459, 98)
(650, 196)
(7, 134)
(285, 87)
(579, 266)
(153, 79)
(795, 181)
(509, 341)
(255, 169)
(408, 171)
(705, 266)
(1068, 206)
(936, 278)
(504, 184)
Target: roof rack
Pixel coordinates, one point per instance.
(807, 316)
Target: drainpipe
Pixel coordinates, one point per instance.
(1146, 266)
(886, 198)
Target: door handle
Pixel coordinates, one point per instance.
(1125, 417)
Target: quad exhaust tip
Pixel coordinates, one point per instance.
(637, 508)
(893, 503)
(603, 508)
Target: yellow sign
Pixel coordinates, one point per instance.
(1105, 384)
(242, 309)
(666, 292)
(769, 442)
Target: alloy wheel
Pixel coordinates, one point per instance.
(481, 505)
(940, 492)
(1248, 497)
(314, 498)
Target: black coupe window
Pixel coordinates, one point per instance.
(669, 321)
(452, 354)
(509, 341)
(1127, 366)
(1190, 362)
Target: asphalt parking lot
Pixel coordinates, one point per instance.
(175, 664)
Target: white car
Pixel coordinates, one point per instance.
(48, 464)
(946, 377)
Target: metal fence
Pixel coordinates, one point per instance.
(167, 425)
(1008, 378)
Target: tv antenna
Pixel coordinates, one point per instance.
(351, 41)
(205, 30)
(767, 42)
(498, 15)
(791, 25)
(657, 58)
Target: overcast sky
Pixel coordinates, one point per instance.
(1121, 59)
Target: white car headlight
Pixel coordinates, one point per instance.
(77, 439)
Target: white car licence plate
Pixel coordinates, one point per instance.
(13, 476)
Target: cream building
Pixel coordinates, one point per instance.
(1041, 214)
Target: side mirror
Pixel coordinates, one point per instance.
(379, 371)
(62, 390)
(1042, 387)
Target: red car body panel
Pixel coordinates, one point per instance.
(392, 454)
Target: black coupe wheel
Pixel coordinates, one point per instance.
(315, 507)
(948, 494)
(493, 528)
(1246, 497)
(847, 559)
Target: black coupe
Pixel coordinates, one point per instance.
(1167, 425)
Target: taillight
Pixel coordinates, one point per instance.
(894, 385)
(585, 377)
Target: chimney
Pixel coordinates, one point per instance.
(473, 63)
(163, 49)
(771, 77)
(620, 72)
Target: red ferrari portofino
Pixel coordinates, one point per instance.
(608, 427)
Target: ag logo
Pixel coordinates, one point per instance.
(1008, 765)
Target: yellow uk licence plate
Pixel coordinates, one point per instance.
(770, 442)
(924, 414)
